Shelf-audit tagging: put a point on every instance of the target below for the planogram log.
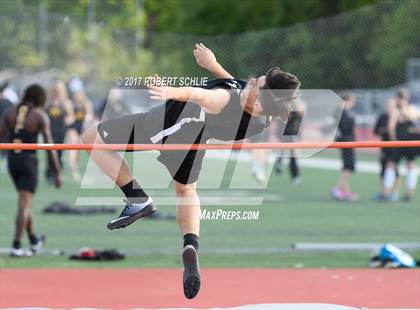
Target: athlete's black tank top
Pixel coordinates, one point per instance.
(79, 113)
(233, 123)
(57, 115)
(407, 130)
(19, 134)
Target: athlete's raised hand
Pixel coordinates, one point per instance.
(204, 57)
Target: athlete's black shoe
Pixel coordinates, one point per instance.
(278, 168)
(132, 212)
(191, 276)
(39, 244)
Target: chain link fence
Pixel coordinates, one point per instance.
(364, 48)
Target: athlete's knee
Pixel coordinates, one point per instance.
(88, 135)
(183, 190)
(411, 164)
(25, 194)
(91, 135)
(391, 164)
(25, 199)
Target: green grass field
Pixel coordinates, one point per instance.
(289, 214)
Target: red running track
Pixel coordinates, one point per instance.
(158, 288)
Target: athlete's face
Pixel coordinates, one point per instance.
(401, 102)
(55, 92)
(349, 103)
(59, 91)
(249, 97)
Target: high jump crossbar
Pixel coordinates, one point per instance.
(227, 146)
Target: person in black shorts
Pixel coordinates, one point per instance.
(226, 109)
(404, 124)
(290, 132)
(346, 124)
(381, 129)
(23, 123)
(60, 112)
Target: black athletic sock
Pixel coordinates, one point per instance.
(134, 192)
(277, 165)
(16, 244)
(294, 169)
(191, 239)
(33, 239)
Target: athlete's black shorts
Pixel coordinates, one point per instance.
(386, 155)
(406, 131)
(408, 153)
(23, 169)
(160, 126)
(185, 123)
(348, 158)
(78, 126)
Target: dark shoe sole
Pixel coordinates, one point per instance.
(125, 221)
(40, 245)
(191, 276)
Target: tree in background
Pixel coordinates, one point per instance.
(220, 16)
(328, 43)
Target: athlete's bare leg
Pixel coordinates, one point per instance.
(188, 218)
(344, 180)
(397, 185)
(139, 204)
(389, 178)
(24, 213)
(29, 225)
(411, 179)
(73, 155)
(188, 208)
(259, 160)
(110, 162)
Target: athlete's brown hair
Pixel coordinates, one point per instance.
(279, 103)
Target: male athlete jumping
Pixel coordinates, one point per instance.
(226, 109)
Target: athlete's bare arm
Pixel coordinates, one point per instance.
(70, 117)
(89, 111)
(211, 100)
(392, 125)
(52, 154)
(206, 59)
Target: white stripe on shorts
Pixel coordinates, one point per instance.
(168, 131)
